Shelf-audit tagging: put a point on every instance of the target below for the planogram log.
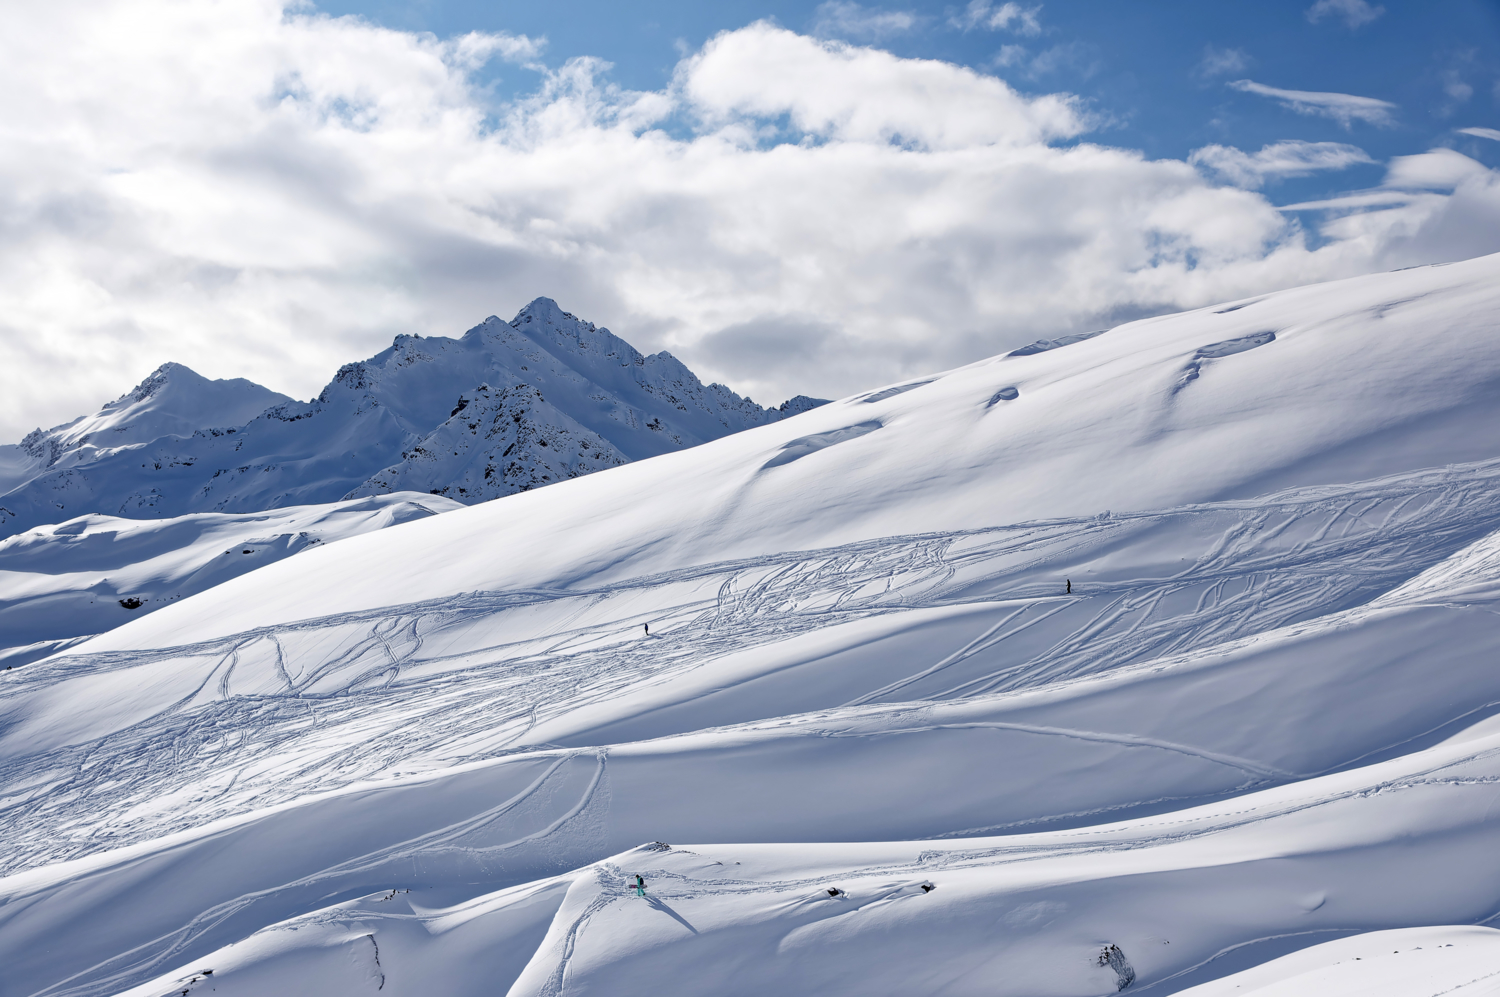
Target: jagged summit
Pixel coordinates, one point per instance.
(561, 396)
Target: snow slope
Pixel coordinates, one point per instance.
(505, 408)
(93, 573)
(1266, 716)
(1114, 423)
(1376, 964)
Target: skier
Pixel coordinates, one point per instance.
(1070, 586)
(640, 886)
(648, 628)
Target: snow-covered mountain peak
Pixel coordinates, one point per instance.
(153, 383)
(380, 423)
(545, 313)
(174, 400)
(580, 344)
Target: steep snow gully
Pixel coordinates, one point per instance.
(1161, 660)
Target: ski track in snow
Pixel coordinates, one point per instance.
(415, 688)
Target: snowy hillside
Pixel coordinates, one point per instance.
(1153, 660)
(93, 573)
(506, 408)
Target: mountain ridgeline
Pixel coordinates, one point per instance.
(507, 407)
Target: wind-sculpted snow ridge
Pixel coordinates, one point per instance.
(548, 397)
(1116, 684)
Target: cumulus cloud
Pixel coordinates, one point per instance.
(844, 19)
(1006, 17)
(1341, 107)
(256, 190)
(1353, 13)
(1274, 162)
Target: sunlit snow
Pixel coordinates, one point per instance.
(1159, 659)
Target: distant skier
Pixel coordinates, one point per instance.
(1070, 586)
(640, 886)
(648, 628)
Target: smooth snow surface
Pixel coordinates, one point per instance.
(872, 744)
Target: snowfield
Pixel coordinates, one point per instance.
(1159, 660)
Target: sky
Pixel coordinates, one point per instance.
(791, 197)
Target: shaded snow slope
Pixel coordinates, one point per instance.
(580, 399)
(93, 573)
(887, 748)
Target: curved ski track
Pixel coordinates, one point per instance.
(283, 712)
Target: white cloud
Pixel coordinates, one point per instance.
(1492, 134)
(1455, 87)
(1435, 206)
(1079, 60)
(1273, 162)
(844, 19)
(1341, 107)
(473, 50)
(1436, 169)
(1011, 55)
(1221, 62)
(848, 94)
(1354, 13)
(1006, 17)
(263, 193)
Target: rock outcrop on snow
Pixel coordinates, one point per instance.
(507, 407)
(497, 442)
